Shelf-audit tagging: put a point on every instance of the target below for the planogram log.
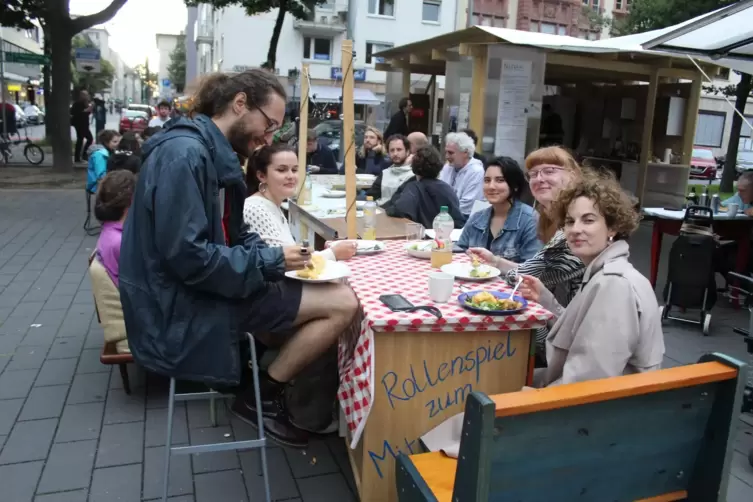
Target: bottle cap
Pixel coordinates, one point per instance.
(443, 209)
(370, 198)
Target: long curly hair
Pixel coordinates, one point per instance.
(379, 149)
(114, 195)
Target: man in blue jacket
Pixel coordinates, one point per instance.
(191, 287)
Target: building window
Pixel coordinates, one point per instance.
(534, 26)
(382, 7)
(710, 129)
(723, 74)
(744, 129)
(550, 28)
(373, 48)
(431, 11)
(318, 49)
(327, 5)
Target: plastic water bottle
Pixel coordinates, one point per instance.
(305, 197)
(441, 250)
(369, 219)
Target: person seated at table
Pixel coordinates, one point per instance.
(392, 178)
(107, 142)
(420, 198)
(508, 227)
(744, 196)
(271, 178)
(548, 170)
(371, 157)
(124, 159)
(462, 172)
(472, 134)
(725, 256)
(416, 140)
(319, 157)
(111, 209)
(612, 326)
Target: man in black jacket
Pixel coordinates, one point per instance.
(399, 123)
(191, 288)
(319, 158)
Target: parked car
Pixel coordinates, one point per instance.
(149, 110)
(133, 120)
(20, 117)
(328, 133)
(34, 115)
(703, 164)
(744, 161)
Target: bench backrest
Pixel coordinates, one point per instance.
(665, 433)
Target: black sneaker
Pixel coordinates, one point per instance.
(277, 426)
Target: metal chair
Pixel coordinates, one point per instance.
(88, 227)
(260, 444)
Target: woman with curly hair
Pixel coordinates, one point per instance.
(612, 326)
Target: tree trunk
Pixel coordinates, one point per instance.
(47, 82)
(58, 108)
(730, 162)
(272, 54)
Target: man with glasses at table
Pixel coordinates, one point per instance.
(192, 283)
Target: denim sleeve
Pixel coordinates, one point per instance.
(465, 237)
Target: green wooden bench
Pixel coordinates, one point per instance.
(658, 436)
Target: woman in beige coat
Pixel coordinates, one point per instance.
(612, 326)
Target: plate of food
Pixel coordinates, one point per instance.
(492, 302)
(320, 270)
(368, 247)
(419, 249)
(474, 271)
(333, 194)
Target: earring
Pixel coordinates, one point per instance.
(262, 187)
(611, 239)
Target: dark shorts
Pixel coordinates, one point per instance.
(274, 309)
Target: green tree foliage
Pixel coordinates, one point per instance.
(59, 28)
(93, 82)
(299, 9)
(176, 70)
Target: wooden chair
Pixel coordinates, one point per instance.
(659, 436)
(110, 356)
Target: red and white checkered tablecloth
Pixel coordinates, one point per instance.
(395, 272)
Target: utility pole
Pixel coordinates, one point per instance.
(3, 115)
(469, 14)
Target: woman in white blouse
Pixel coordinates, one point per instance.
(272, 177)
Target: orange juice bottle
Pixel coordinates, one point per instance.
(441, 250)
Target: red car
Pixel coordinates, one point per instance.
(133, 120)
(703, 164)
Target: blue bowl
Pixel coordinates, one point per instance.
(497, 294)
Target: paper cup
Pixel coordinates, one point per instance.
(732, 209)
(440, 286)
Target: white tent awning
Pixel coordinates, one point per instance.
(723, 37)
(332, 94)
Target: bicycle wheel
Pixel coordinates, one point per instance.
(34, 154)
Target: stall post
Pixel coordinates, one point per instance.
(303, 126)
(406, 82)
(480, 57)
(648, 130)
(349, 157)
(691, 119)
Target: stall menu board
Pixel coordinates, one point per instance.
(512, 114)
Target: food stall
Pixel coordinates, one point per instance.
(613, 99)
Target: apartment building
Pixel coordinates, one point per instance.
(22, 81)
(165, 46)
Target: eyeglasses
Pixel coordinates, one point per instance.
(546, 171)
(272, 125)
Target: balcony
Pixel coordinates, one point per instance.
(202, 34)
(321, 24)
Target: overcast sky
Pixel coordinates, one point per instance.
(133, 29)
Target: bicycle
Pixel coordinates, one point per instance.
(32, 152)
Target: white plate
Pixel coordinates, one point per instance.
(423, 250)
(333, 194)
(360, 204)
(332, 271)
(454, 235)
(463, 271)
(365, 178)
(369, 247)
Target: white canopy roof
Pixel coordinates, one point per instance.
(723, 37)
(332, 94)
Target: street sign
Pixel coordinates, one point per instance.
(165, 82)
(25, 58)
(88, 60)
(336, 73)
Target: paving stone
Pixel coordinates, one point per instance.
(8, 343)
(56, 372)
(80, 421)
(181, 481)
(281, 483)
(66, 348)
(68, 467)
(89, 362)
(218, 461)
(28, 441)
(18, 481)
(156, 426)
(58, 302)
(88, 388)
(313, 461)
(198, 414)
(73, 496)
(225, 486)
(2, 441)
(39, 336)
(9, 409)
(121, 444)
(14, 325)
(325, 489)
(94, 340)
(44, 402)
(16, 383)
(62, 288)
(27, 358)
(27, 308)
(122, 408)
(121, 484)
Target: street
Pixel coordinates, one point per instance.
(36, 132)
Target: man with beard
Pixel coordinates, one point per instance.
(390, 180)
(191, 288)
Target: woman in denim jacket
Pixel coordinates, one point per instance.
(508, 227)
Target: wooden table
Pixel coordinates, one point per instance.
(416, 370)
